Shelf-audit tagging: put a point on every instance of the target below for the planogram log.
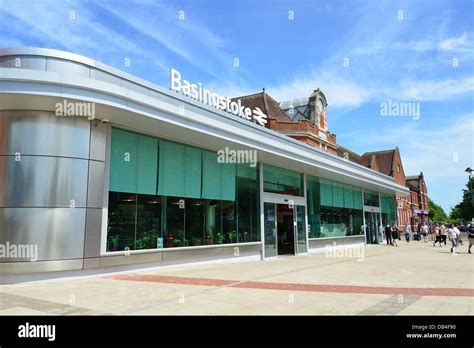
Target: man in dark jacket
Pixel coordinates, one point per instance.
(470, 235)
(388, 234)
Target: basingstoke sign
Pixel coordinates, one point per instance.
(197, 92)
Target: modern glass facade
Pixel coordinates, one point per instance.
(334, 209)
(371, 198)
(282, 181)
(163, 194)
(388, 209)
(85, 187)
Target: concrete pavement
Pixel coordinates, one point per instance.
(414, 278)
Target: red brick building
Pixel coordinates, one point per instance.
(419, 198)
(305, 119)
(388, 162)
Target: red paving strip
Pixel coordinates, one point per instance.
(298, 287)
(174, 280)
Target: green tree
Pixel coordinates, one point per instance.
(464, 210)
(436, 213)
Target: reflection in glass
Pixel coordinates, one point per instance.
(148, 222)
(248, 203)
(214, 222)
(195, 217)
(270, 229)
(121, 224)
(371, 198)
(282, 181)
(173, 229)
(300, 228)
(338, 222)
(229, 229)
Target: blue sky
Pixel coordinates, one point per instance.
(404, 51)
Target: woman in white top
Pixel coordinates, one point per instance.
(453, 236)
(442, 234)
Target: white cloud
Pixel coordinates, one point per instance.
(436, 90)
(87, 33)
(459, 44)
(416, 45)
(187, 38)
(51, 24)
(441, 152)
(340, 92)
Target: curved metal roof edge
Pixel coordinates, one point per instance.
(48, 52)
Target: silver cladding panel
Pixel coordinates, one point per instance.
(67, 67)
(23, 62)
(106, 77)
(242, 250)
(183, 254)
(319, 243)
(93, 233)
(98, 140)
(43, 133)
(96, 184)
(36, 267)
(58, 232)
(37, 181)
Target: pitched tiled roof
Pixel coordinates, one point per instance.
(353, 157)
(413, 181)
(266, 103)
(382, 159)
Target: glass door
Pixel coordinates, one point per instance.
(369, 228)
(270, 228)
(373, 228)
(300, 224)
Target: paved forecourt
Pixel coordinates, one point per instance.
(414, 278)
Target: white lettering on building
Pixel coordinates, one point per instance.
(199, 93)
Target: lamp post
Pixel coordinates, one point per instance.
(470, 185)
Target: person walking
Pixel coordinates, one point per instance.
(388, 234)
(458, 232)
(442, 234)
(407, 232)
(453, 237)
(470, 236)
(437, 236)
(395, 234)
(424, 232)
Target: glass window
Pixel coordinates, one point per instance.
(301, 228)
(283, 181)
(388, 209)
(195, 221)
(248, 203)
(164, 194)
(149, 222)
(338, 222)
(313, 204)
(214, 221)
(270, 229)
(173, 227)
(371, 198)
(327, 220)
(229, 227)
(121, 221)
